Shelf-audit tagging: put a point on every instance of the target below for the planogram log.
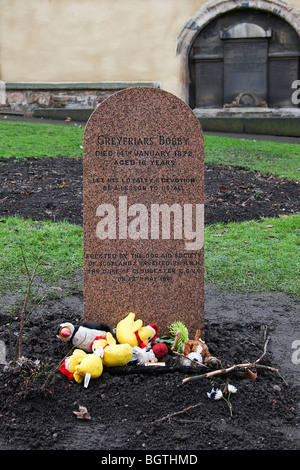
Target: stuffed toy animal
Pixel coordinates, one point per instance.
(63, 369)
(196, 350)
(82, 335)
(68, 365)
(134, 333)
(91, 367)
(142, 355)
(114, 354)
(82, 366)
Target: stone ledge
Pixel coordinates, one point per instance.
(247, 112)
(26, 97)
(76, 114)
(77, 85)
(279, 126)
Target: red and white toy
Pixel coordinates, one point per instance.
(81, 336)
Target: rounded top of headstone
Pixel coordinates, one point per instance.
(145, 105)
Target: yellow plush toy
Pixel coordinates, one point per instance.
(114, 354)
(91, 367)
(68, 365)
(73, 361)
(133, 332)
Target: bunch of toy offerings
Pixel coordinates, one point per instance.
(94, 347)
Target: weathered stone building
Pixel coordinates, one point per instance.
(232, 58)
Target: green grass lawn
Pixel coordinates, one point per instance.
(59, 245)
(256, 256)
(276, 158)
(39, 140)
(252, 256)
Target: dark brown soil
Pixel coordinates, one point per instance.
(129, 408)
(51, 189)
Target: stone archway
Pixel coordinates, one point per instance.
(242, 53)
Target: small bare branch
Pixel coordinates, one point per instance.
(176, 413)
(191, 360)
(246, 366)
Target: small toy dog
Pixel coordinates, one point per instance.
(196, 350)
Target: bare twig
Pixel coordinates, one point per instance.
(246, 366)
(191, 360)
(176, 413)
(264, 351)
(24, 315)
(24, 261)
(23, 311)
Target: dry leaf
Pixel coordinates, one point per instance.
(250, 375)
(222, 188)
(63, 184)
(82, 413)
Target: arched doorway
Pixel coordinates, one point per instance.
(237, 54)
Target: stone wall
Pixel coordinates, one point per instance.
(33, 98)
(92, 40)
(104, 40)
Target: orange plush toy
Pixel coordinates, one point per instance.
(197, 351)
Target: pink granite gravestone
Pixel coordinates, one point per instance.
(143, 211)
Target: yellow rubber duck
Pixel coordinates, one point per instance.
(114, 354)
(91, 367)
(131, 331)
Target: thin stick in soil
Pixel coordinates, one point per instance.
(176, 413)
(244, 366)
